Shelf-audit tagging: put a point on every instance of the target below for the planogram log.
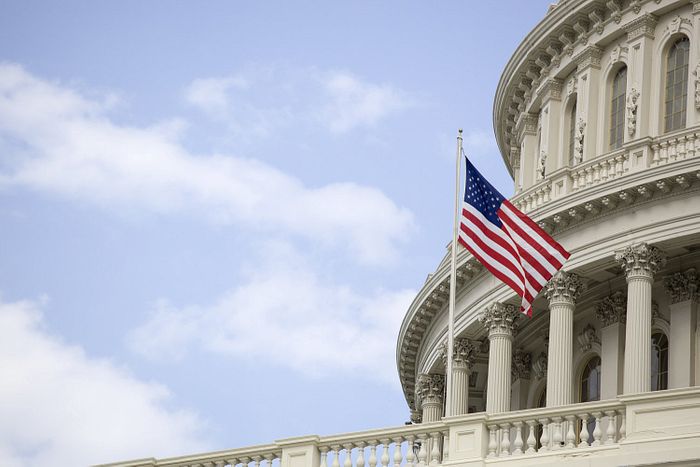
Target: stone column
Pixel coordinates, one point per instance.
(588, 75)
(430, 392)
(640, 262)
(640, 77)
(561, 291)
(611, 312)
(682, 290)
(520, 372)
(464, 353)
(499, 319)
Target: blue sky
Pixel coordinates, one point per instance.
(213, 216)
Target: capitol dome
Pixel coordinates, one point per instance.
(597, 117)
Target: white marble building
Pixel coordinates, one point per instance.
(597, 116)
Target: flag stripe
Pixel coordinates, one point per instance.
(507, 242)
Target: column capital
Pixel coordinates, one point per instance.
(430, 388)
(564, 287)
(682, 286)
(520, 369)
(464, 353)
(641, 261)
(643, 26)
(612, 309)
(499, 318)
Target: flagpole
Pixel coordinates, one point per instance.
(453, 280)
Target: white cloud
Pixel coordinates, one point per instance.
(59, 406)
(354, 103)
(262, 99)
(287, 314)
(212, 94)
(58, 141)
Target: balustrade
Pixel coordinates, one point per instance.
(610, 166)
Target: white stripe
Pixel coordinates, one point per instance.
(499, 232)
(491, 261)
(525, 245)
(533, 234)
(536, 275)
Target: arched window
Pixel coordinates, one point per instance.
(590, 381)
(572, 133)
(617, 108)
(676, 94)
(590, 389)
(659, 361)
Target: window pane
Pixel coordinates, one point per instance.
(676, 86)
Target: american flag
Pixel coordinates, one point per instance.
(506, 241)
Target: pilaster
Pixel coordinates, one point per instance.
(520, 372)
(561, 291)
(612, 313)
(499, 319)
(640, 263)
(640, 40)
(588, 75)
(682, 291)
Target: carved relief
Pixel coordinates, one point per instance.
(540, 366)
(617, 52)
(571, 86)
(632, 99)
(520, 369)
(696, 73)
(587, 338)
(674, 26)
(612, 309)
(542, 165)
(682, 286)
(578, 140)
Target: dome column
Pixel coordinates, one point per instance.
(430, 392)
(640, 262)
(588, 85)
(465, 351)
(499, 319)
(561, 291)
(640, 43)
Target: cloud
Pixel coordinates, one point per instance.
(287, 314)
(60, 142)
(212, 94)
(355, 103)
(263, 99)
(59, 406)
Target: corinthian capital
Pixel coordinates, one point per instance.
(682, 286)
(564, 286)
(641, 260)
(499, 318)
(612, 309)
(463, 353)
(430, 388)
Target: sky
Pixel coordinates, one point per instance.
(214, 215)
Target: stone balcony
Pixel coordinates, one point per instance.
(640, 429)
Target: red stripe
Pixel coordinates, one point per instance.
(530, 241)
(487, 264)
(496, 257)
(490, 234)
(545, 236)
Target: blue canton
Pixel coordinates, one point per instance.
(482, 195)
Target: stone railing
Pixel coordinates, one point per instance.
(573, 427)
(646, 153)
(665, 423)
